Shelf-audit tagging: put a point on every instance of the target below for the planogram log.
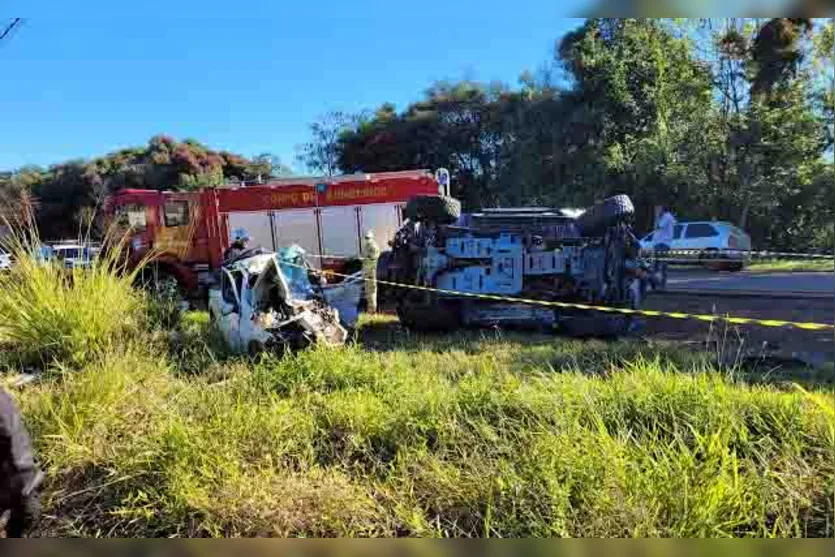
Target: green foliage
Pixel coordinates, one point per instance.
(67, 194)
(721, 119)
(320, 154)
(777, 53)
(50, 315)
(473, 436)
(479, 434)
(789, 265)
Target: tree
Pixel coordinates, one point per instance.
(456, 125)
(644, 100)
(773, 135)
(321, 153)
(824, 52)
(68, 196)
(267, 165)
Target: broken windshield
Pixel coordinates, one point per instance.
(292, 263)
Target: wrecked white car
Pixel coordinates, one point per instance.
(266, 301)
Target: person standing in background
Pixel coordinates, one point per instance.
(662, 238)
(370, 256)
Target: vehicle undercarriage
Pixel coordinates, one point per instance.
(533, 256)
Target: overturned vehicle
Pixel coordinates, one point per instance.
(266, 301)
(533, 254)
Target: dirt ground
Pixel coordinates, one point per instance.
(815, 347)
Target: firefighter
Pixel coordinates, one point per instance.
(240, 244)
(371, 253)
(20, 478)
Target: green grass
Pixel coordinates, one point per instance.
(478, 435)
(49, 314)
(148, 432)
(788, 265)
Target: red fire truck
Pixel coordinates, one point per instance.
(187, 232)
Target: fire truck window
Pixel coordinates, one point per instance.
(132, 216)
(175, 213)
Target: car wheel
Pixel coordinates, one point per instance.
(706, 258)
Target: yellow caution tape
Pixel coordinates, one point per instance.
(808, 326)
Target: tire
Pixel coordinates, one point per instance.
(433, 208)
(707, 257)
(735, 267)
(162, 285)
(608, 212)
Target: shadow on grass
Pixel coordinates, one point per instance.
(787, 372)
(536, 351)
(196, 346)
(384, 333)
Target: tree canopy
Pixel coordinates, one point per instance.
(66, 195)
(724, 119)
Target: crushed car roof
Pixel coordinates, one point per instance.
(254, 264)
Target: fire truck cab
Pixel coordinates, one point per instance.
(186, 233)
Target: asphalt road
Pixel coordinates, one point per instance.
(817, 284)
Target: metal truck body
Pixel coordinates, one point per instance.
(187, 232)
(529, 255)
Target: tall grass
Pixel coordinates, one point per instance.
(477, 434)
(49, 314)
(482, 436)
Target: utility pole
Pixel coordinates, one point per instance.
(9, 28)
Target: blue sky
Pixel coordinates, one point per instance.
(80, 85)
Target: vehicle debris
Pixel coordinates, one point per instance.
(265, 301)
(590, 257)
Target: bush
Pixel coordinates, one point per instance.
(49, 314)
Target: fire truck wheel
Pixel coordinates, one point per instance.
(439, 209)
(601, 215)
(162, 284)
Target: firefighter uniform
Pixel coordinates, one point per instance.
(371, 253)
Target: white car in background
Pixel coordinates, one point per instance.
(5, 261)
(706, 241)
(73, 256)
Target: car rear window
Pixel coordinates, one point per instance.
(700, 230)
